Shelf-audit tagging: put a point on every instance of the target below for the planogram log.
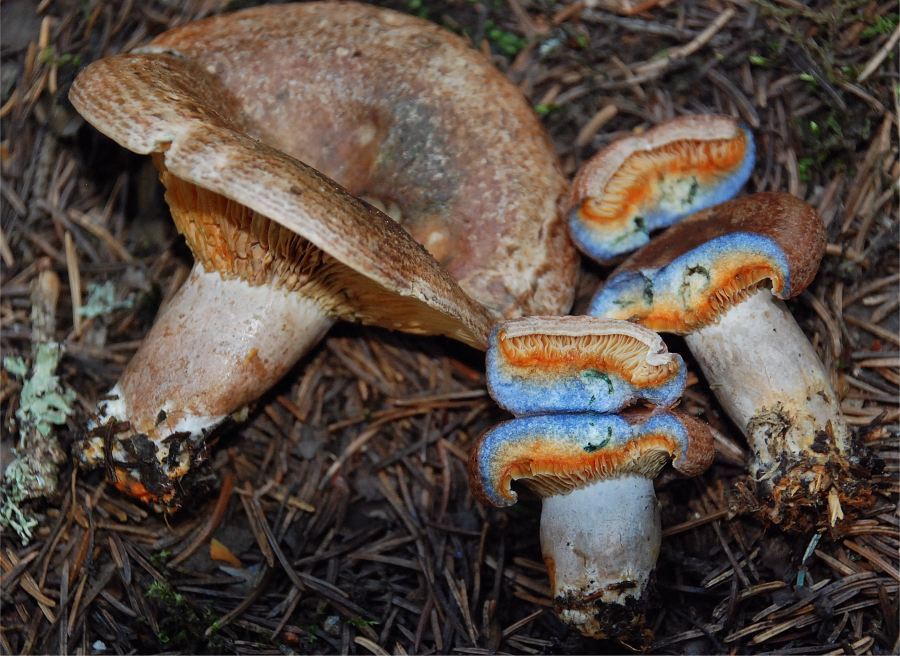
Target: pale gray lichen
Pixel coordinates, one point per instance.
(102, 300)
(43, 404)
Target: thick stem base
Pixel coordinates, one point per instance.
(215, 347)
(772, 384)
(600, 544)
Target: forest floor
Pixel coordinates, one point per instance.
(341, 507)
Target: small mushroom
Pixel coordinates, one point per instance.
(716, 278)
(600, 525)
(396, 109)
(539, 365)
(600, 530)
(650, 181)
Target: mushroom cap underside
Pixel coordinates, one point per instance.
(167, 105)
(539, 365)
(688, 276)
(399, 109)
(646, 182)
(555, 454)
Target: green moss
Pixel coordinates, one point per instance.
(883, 25)
(361, 622)
(49, 56)
(507, 43)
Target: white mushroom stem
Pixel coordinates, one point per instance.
(600, 544)
(772, 384)
(215, 347)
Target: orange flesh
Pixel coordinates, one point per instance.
(129, 485)
(550, 469)
(545, 355)
(729, 287)
(628, 189)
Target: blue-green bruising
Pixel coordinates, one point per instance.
(587, 432)
(589, 390)
(625, 292)
(603, 245)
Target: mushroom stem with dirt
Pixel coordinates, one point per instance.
(231, 108)
(600, 527)
(717, 278)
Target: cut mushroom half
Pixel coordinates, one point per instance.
(539, 365)
(600, 525)
(717, 278)
(646, 182)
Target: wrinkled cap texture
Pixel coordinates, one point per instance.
(538, 365)
(695, 271)
(650, 181)
(398, 109)
(555, 454)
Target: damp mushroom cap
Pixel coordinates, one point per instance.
(398, 109)
(649, 181)
(356, 261)
(687, 277)
(556, 454)
(539, 365)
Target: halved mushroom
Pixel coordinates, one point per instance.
(650, 181)
(539, 365)
(716, 277)
(600, 526)
(396, 109)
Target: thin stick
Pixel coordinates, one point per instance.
(74, 281)
(875, 62)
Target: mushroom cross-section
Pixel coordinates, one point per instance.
(650, 181)
(397, 110)
(600, 527)
(714, 278)
(539, 365)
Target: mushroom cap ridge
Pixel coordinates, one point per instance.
(397, 108)
(687, 276)
(559, 453)
(543, 365)
(645, 182)
(160, 103)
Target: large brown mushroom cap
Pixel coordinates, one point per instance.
(374, 272)
(399, 109)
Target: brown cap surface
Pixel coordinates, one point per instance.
(688, 276)
(375, 272)
(399, 109)
(792, 224)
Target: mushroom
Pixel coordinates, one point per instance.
(716, 278)
(539, 365)
(650, 181)
(395, 109)
(600, 525)
(600, 528)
